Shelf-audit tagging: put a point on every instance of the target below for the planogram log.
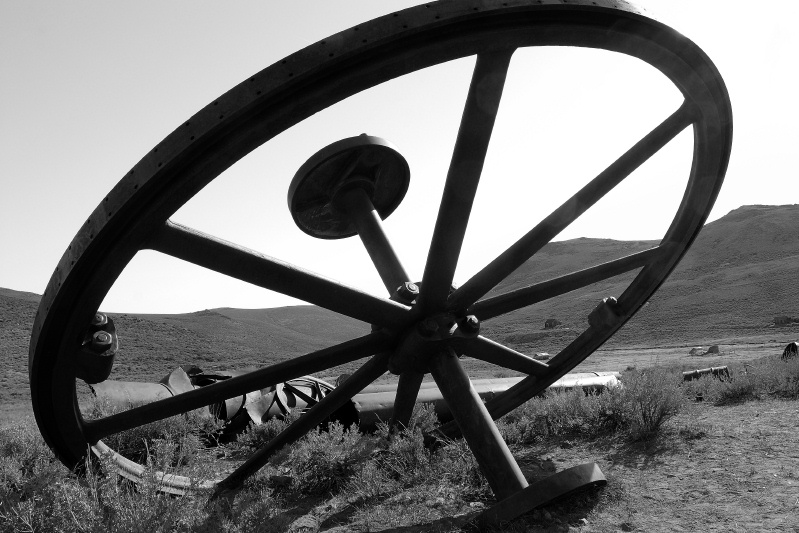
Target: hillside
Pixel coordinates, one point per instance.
(742, 271)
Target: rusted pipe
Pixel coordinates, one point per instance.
(371, 406)
(719, 372)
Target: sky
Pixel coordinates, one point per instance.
(89, 87)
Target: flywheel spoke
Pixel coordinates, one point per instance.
(407, 391)
(471, 146)
(309, 420)
(558, 220)
(560, 365)
(250, 266)
(345, 352)
(538, 292)
(498, 354)
(492, 454)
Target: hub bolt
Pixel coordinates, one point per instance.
(101, 341)
(605, 315)
(408, 291)
(470, 324)
(99, 320)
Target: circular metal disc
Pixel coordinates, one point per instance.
(371, 162)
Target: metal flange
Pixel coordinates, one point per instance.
(365, 162)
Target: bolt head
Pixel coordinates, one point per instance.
(101, 341)
(605, 315)
(471, 324)
(408, 291)
(99, 320)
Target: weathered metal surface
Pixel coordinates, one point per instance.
(94, 430)
(95, 359)
(463, 176)
(790, 351)
(373, 405)
(369, 164)
(134, 217)
(373, 369)
(546, 491)
(719, 372)
(496, 462)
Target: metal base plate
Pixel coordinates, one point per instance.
(546, 491)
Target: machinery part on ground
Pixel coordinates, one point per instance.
(256, 407)
(547, 491)
(718, 372)
(135, 216)
(791, 350)
(373, 405)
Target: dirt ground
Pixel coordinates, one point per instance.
(737, 350)
(733, 468)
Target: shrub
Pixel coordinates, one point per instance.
(456, 464)
(26, 463)
(323, 461)
(256, 436)
(179, 440)
(405, 457)
(769, 376)
(638, 409)
(558, 414)
(652, 397)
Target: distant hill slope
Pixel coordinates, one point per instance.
(17, 310)
(742, 271)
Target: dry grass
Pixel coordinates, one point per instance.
(331, 478)
(343, 479)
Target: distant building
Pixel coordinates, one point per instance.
(551, 323)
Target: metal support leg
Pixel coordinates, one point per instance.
(479, 430)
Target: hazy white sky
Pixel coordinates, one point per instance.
(89, 87)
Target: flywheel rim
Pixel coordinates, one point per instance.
(316, 77)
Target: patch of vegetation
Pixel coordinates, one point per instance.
(340, 477)
(765, 377)
(324, 461)
(180, 440)
(637, 410)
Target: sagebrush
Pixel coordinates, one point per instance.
(388, 477)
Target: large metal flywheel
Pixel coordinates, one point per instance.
(346, 189)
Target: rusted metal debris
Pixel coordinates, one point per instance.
(374, 404)
(791, 350)
(719, 372)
